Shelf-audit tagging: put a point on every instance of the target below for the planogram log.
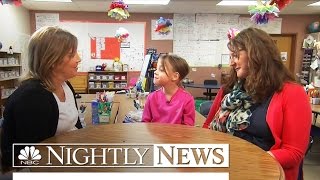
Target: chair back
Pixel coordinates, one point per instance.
(210, 82)
(205, 108)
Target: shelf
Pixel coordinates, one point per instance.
(11, 78)
(10, 66)
(105, 80)
(107, 88)
(107, 71)
(4, 97)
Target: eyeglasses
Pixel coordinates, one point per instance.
(235, 55)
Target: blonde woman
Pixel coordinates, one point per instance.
(44, 105)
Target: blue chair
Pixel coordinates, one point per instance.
(208, 93)
(205, 108)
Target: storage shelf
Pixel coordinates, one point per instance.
(95, 80)
(1, 66)
(4, 97)
(11, 78)
(107, 88)
(107, 71)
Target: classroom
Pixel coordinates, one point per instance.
(239, 80)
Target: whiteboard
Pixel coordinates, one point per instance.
(131, 54)
(202, 39)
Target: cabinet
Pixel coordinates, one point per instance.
(10, 71)
(79, 83)
(107, 81)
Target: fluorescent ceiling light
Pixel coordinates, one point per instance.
(53, 0)
(160, 2)
(237, 3)
(315, 4)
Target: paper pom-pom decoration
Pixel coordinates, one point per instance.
(14, 2)
(262, 13)
(122, 34)
(163, 26)
(118, 10)
(281, 3)
(232, 32)
(314, 27)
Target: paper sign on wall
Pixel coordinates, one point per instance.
(105, 48)
(46, 19)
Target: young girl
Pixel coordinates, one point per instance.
(171, 103)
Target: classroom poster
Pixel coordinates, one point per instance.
(105, 48)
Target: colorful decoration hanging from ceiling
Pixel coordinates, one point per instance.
(163, 26)
(262, 13)
(118, 10)
(14, 2)
(280, 3)
(122, 34)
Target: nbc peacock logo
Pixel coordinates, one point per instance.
(29, 156)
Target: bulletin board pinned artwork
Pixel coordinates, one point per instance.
(98, 44)
(104, 48)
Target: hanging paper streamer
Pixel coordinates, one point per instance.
(280, 3)
(122, 34)
(232, 32)
(262, 13)
(14, 2)
(163, 26)
(118, 10)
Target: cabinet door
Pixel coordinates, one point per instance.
(79, 83)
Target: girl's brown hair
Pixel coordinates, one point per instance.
(267, 73)
(47, 48)
(178, 64)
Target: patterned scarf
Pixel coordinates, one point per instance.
(234, 112)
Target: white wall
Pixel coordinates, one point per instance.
(15, 30)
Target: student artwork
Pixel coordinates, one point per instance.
(122, 34)
(14, 2)
(163, 26)
(262, 13)
(232, 32)
(118, 10)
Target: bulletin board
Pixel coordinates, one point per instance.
(97, 43)
(202, 38)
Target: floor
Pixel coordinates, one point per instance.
(311, 166)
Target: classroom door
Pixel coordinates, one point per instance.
(285, 46)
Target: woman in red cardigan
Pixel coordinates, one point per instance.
(262, 103)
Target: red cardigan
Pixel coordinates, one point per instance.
(289, 119)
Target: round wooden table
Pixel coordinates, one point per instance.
(247, 161)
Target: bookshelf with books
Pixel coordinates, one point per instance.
(107, 81)
(10, 71)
